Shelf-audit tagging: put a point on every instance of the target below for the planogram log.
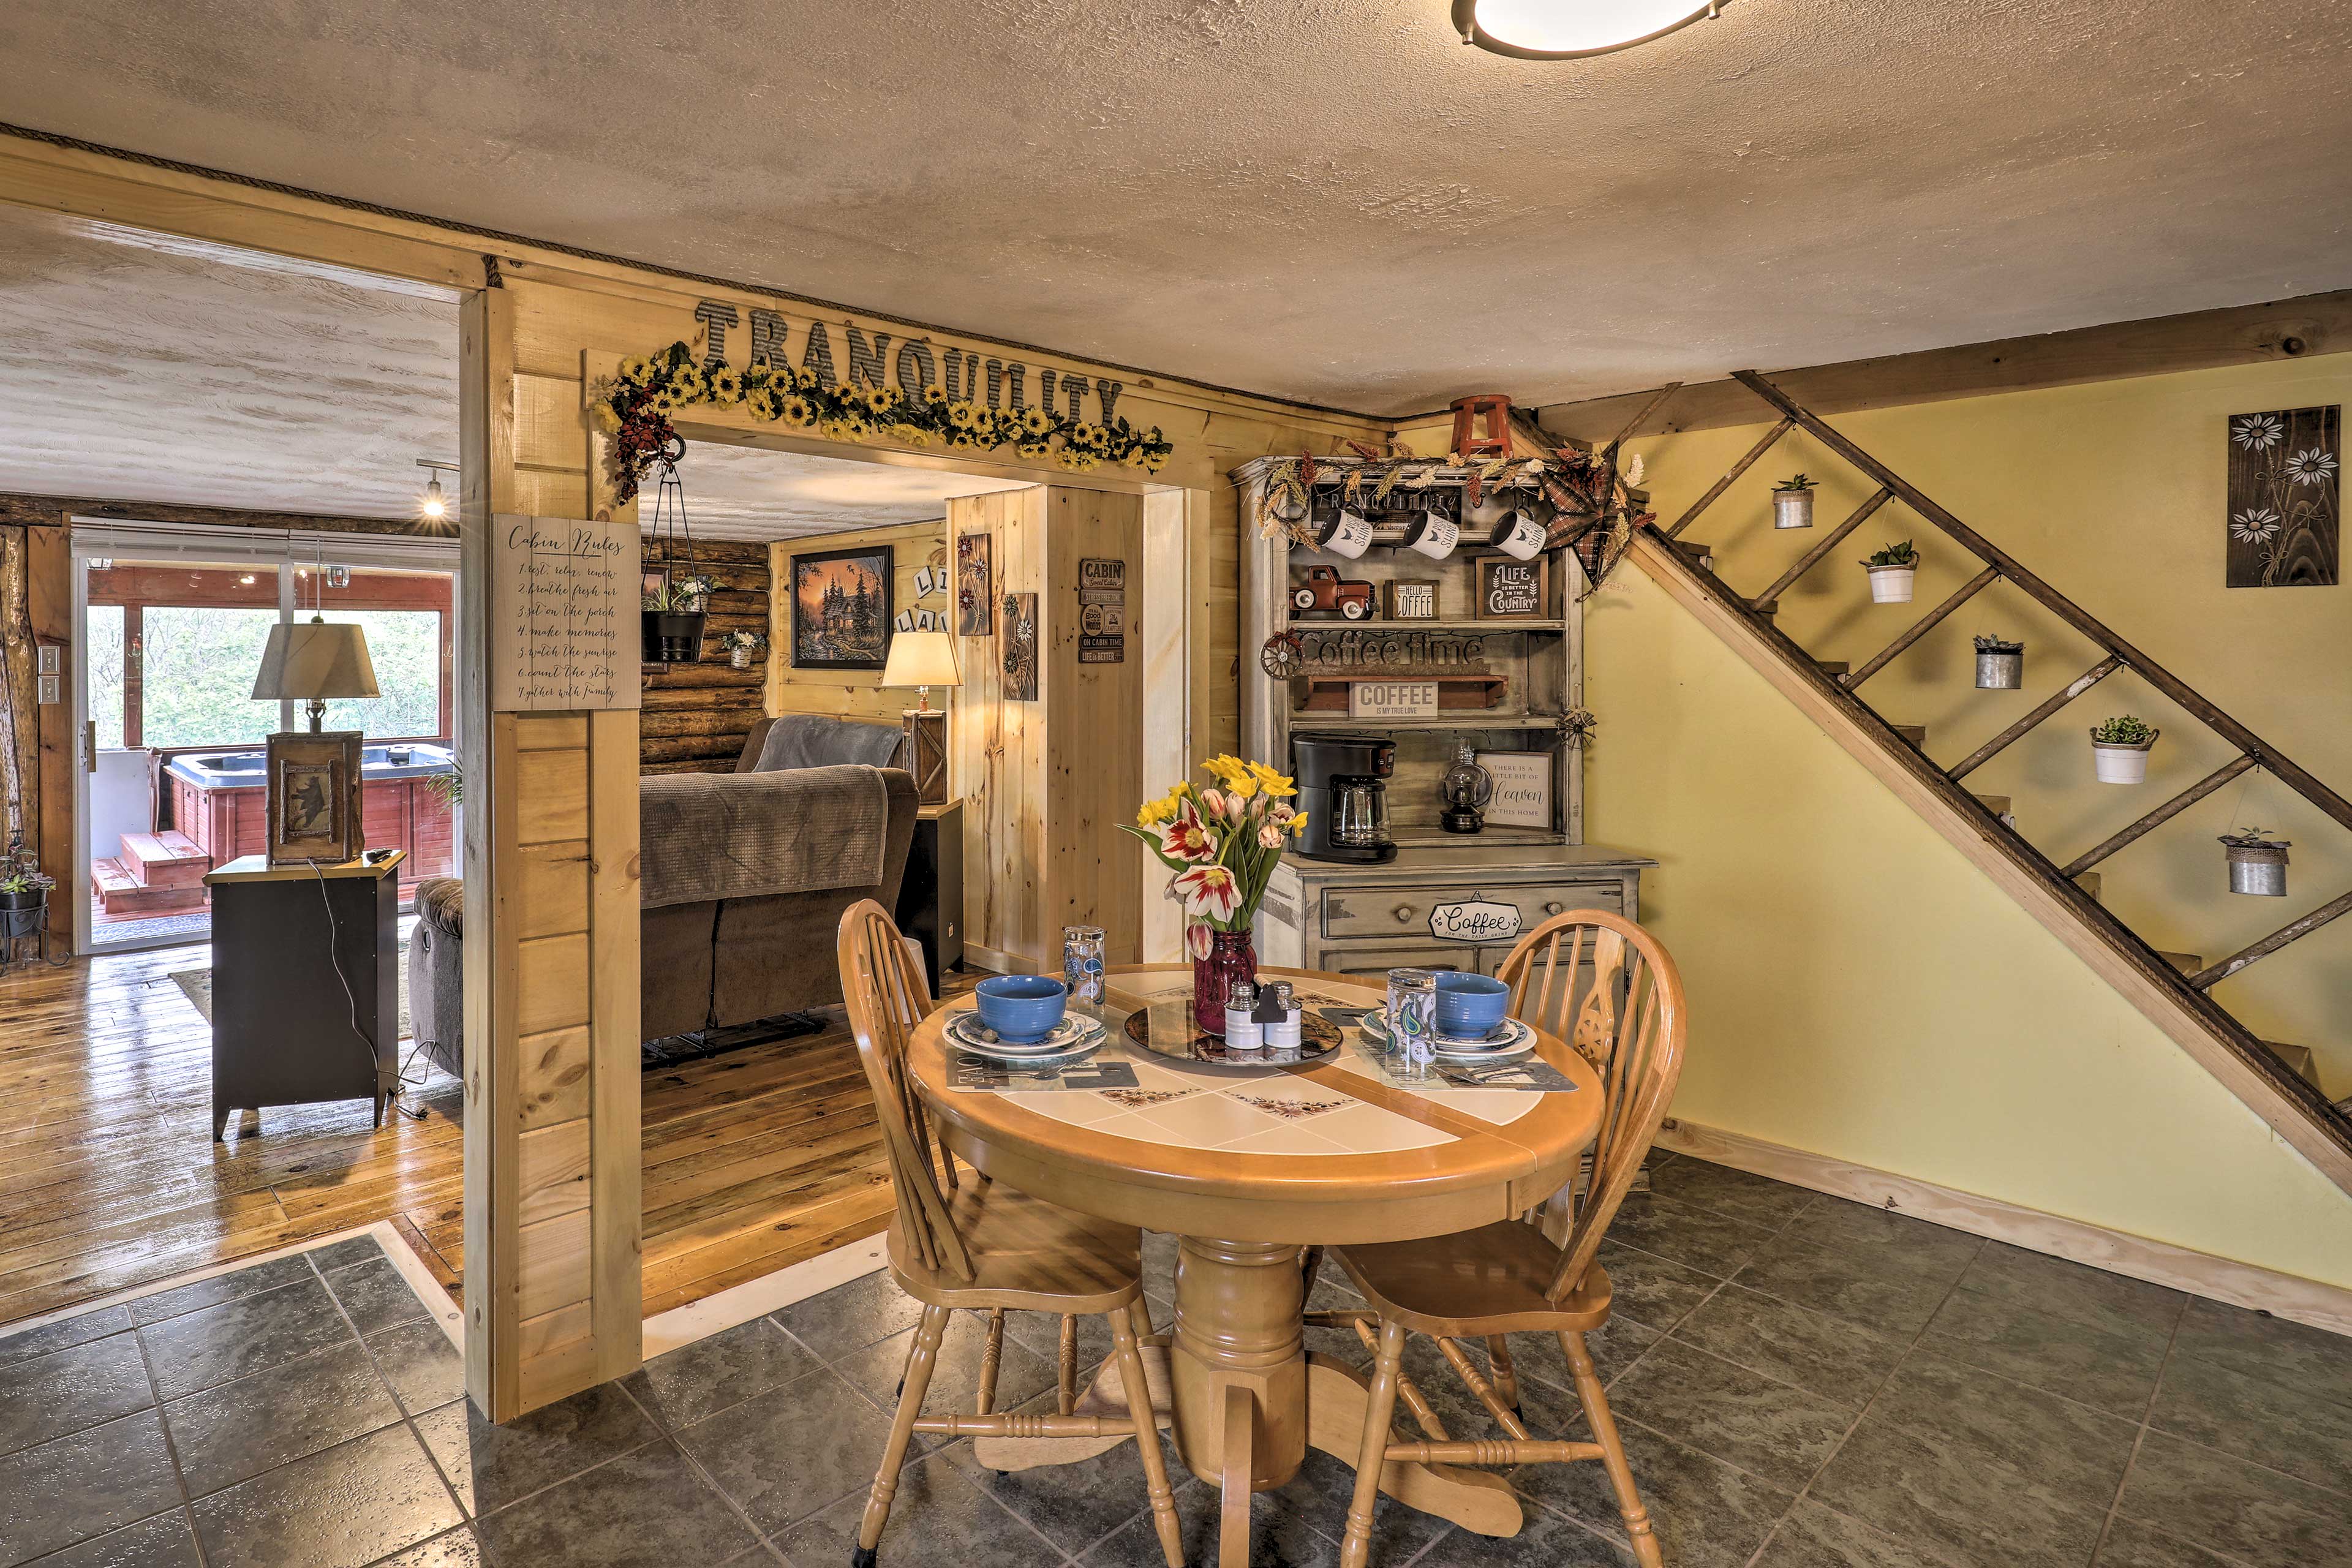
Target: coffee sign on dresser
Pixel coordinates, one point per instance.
(1474, 919)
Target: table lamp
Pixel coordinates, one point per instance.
(922, 660)
(315, 777)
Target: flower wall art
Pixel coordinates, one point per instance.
(2285, 490)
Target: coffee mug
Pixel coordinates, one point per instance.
(1434, 536)
(1519, 535)
(1348, 534)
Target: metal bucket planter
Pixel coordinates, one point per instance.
(739, 658)
(673, 636)
(1892, 585)
(2001, 666)
(2121, 765)
(2257, 866)
(1792, 509)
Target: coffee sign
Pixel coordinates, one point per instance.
(1475, 920)
(1392, 699)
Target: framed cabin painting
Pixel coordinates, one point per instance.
(841, 608)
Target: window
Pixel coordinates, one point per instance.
(196, 668)
(103, 665)
(405, 648)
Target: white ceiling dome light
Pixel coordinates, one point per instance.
(1571, 29)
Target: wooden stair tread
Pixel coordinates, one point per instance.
(2187, 963)
(2298, 1058)
(169, 858)
(1999, 805)
(107, 876)
(1832, 666)
(2090, 883)
(1914, 733)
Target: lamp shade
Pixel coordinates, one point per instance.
(312, 660)
(921, 658)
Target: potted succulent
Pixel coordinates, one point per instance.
(2119, 749)
(673, 621)
(1792, 502)
(23, 898)
(2257, 862)
(2000, 664)
(741, 645)
(1892, 570)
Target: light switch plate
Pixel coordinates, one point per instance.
(49, 664)
(48, 693)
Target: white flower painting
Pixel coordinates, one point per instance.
(2283, 512)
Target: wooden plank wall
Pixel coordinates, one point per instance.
(1093, 748)
(996, 757)
(697, 715)
(856, 694)
(19, 723)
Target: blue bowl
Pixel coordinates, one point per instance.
(1469, 1006)
(1022, 1007)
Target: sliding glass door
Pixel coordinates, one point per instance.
(171, 624)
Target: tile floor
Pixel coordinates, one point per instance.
(1803, 1383)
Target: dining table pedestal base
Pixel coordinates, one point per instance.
(1244, 1399)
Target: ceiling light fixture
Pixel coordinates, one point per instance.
(433, 507)
(1571, 29)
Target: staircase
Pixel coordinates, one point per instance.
(2171, 988)
(156, 873)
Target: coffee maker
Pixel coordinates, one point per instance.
(1342, 789)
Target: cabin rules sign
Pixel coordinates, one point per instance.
(563, 627)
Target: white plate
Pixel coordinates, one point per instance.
(1075, 1032)
(1511, 1038)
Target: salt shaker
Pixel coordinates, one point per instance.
(1284, 1035)
(1241, 1032)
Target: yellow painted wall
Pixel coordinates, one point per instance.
(1858, 988)
(854, 693)
(2114, 493)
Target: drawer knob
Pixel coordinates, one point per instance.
(1554, 906)
(1404, 914)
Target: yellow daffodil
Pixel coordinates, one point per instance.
(1277, 785)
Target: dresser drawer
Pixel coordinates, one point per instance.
(1404, 912)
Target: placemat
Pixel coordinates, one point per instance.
(1530, 1073)
(1000, 1077)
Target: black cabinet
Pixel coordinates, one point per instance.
(931, 895)
(306, 985)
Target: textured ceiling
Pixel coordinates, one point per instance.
(748, 492)
(1328, 199)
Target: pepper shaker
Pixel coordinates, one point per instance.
(1241, 1032)
(1284, 1035)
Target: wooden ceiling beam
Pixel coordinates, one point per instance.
(2203, 340)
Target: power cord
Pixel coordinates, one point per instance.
(318, 870)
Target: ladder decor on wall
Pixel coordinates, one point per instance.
(2171, 988)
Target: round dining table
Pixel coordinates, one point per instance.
(1248, 1166)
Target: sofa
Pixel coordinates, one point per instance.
(710, 963)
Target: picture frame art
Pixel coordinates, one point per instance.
(975, 588)
(842, 610)
(314, 797)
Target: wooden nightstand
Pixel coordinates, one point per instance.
(931, 895)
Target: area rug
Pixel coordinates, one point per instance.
(196, 986)
(675, 1049)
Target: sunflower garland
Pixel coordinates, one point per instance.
(636, 410)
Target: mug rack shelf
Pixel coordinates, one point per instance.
(1541, 657)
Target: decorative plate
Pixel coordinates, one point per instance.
(1317, 1038)
(1075, 1030)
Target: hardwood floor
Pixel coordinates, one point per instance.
(108, 1178)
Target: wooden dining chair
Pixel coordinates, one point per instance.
(983, 1246)
(1512, 1277)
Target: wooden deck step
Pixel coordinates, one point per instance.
(1914, 733)
(2298, 1059)
(1998, 805)
(165, 859)
(119, 892)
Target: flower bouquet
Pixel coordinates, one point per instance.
(1222, 844)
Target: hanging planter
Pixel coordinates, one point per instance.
(1892, 570)
(2119, 750)
(1792, 503)
(2257, 863)
(2001, 665)
(676, 596)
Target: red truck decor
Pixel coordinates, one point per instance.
(1325, 589)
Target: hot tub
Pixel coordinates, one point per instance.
(220, 799)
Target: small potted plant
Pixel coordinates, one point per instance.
(1792, 502)
(2257, 862)
(1892, 572)
(741, 645)
(2119, 749)
(693, 591)
(23, 898)
(2000, 664)
(673, 631)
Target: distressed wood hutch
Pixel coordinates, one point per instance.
(1517, 680)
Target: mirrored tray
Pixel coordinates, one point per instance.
(1168, 1029)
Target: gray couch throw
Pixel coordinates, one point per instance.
(747, 836)
(820, 740)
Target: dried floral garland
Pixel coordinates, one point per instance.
(637, 408)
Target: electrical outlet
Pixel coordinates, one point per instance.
(50, 693)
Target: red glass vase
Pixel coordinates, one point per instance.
(1230, 958)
